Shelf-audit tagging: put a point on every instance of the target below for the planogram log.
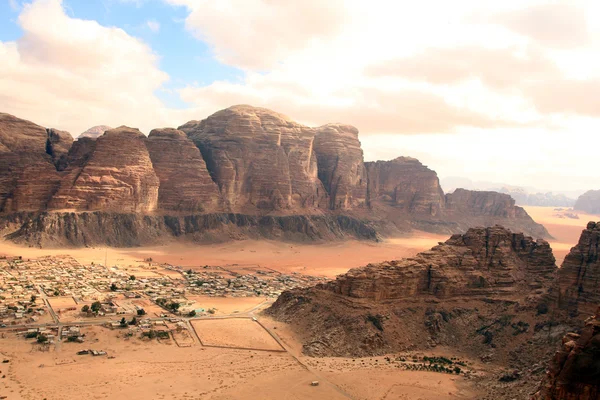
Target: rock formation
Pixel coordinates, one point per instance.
(94, 132)
(455, 294)
(340, 165)
(118, 177)
(185, 184)
(28, 153)
(407, 184)
(577, 287)
(241, 160)
(574, 373)
(258, 158)
(589, 202)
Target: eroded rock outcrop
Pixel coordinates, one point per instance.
(117, 177)
(28, 153)
(460, 293)
(259, 159)
(577, 287)
(340, 165)
(185, 184)
(407, 184)
(589, 202)
(574, 372)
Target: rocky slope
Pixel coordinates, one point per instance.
(574, 372)
(59, 229)
(577, 287)
(469, 292)
(117, 177)
(589, 202)
(185, 184)
(241, 160)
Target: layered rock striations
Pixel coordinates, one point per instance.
(589, 202)
(340, 165)
(405, 183)
(259, 159)
(29, 155)
(117, 177)
(577, 287)
(574, 372)
(463, 293)
(185, 184)
(241, 160)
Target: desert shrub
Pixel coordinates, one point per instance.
(376, 320)
(542, 309)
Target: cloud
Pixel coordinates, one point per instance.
(497, 68)
(71, 73)
(257, 34)
(552, 24)
(565, 96)
(14, 5)
(154, 26)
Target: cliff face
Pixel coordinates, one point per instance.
(118, 177)
(28, 153)
(340, 165)
(589, 202)
(242, 160)
(574, 372)
(258, 158)
(407, 184)
(577, 287)
(185, 184)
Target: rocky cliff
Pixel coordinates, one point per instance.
(589, 202)
(29, 155)
(577, 287)
(474, 291)
(574, 372)
(259, 159)
(117, 177)
(241, 160)
(407, 184)
(185, 184)
(340, 165)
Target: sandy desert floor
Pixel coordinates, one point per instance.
(566, 231)
(143, 369)
(310, 259)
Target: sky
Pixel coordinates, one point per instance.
(495, 91)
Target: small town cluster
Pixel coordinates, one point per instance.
(60, 289)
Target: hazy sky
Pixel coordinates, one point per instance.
(505, 91)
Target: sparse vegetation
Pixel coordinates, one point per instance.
(376, 320)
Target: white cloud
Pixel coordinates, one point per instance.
(71, 73)
(154, 26)
(14, 5)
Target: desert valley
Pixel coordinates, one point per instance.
(189, 267)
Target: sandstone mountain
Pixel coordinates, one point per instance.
(463, 293)
(574, 373)
(243, 161)
(589, 202)
(94, 132)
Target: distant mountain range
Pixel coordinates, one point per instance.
(524, 196)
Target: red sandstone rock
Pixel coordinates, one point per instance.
(407, 184)
(185, 184)
(341, 167)
(574, 373)
(259, 159)
(94, 132)
(117, 177)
